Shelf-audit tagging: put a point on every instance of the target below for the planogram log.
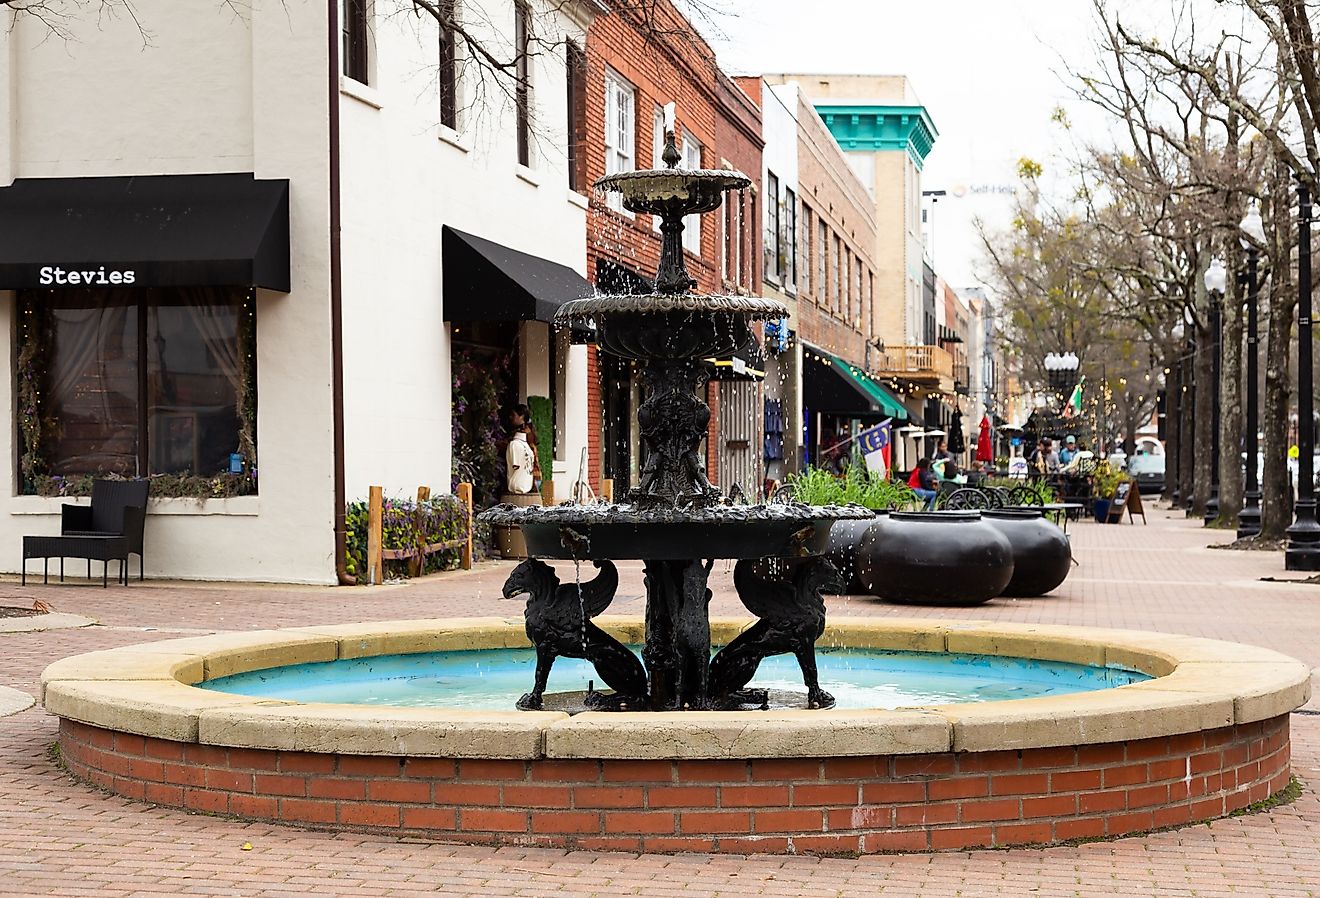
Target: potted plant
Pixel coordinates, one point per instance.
(1105, 481)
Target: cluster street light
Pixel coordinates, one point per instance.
(1253, 227)
(1216, 282)
(1303, 550)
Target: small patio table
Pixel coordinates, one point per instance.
(1061, 510)
(99, 548)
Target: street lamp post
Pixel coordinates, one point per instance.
(1303, 551)
(1179, 382)
(1061, 371)
(1249, 517)
(1216, 282)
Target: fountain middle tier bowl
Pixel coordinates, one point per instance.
(620, 531)
(665, 327)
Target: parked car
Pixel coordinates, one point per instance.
(1148, 471)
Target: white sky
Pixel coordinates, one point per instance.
(988, 71)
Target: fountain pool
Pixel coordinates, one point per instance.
(493, 679)
(1204, 734)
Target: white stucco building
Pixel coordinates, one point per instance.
(277, 308)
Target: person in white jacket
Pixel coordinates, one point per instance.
(520, 459)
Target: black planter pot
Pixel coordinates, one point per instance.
(947, 558)
(845, 539)
(1041, 553)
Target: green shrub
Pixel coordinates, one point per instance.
(543, 420)
(406, 525)
(857, 486)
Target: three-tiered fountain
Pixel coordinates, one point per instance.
(674, 519)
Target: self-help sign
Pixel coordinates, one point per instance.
(54, 276)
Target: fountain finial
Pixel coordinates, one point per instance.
(670, 156)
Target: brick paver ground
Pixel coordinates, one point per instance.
(59, 837)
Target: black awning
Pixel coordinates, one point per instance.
(215, 230)
(487, 281)
(747, 363)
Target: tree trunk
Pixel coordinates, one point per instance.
(1230, 407)
(1230, 382)
(1172, 425)
(1205, 419)
(1281, 299)
(1187, 456)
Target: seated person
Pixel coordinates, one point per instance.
(924, 483)
(1082, 461)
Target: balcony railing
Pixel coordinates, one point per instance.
(919, 363)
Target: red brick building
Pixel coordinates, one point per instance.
(635, 65)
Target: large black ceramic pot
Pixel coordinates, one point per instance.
(1041, 553)
(951, 558)
(846, 537)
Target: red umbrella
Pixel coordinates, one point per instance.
(985, 450)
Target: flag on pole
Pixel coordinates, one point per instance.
(1074, 406)
(874, 443)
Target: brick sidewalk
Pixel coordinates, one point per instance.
(58, 837)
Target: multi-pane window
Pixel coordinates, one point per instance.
(804, 264)
(835, 252)
(822, 259)
(353, 21)
(788, 243)
(749, 224)
(522, 97)
(448, 73)
(845, 306)
(576, 61)
(139, 382)
(733, 239)
(691, 223)
(771, 243)
(856, 318)
(620, 130)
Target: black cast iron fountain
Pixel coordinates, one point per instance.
(674, 519)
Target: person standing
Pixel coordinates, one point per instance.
(520, 422)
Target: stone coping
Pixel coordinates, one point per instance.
(13, 700)
(37, 623)
(148, 689)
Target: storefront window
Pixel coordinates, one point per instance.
(138, 383)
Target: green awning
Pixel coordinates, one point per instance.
(834, 386)
(868, 385)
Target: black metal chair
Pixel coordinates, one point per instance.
(965, 499)
(1025, 496)
(118, 509)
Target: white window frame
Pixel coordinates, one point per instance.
(657, 150)
(691, 152)
(620, 132)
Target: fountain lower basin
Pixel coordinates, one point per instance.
(493, 679)
(622, 531)
(1207, 734)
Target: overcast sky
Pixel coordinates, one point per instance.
(989, 72)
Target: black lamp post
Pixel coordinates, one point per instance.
(1303, 551)
(1249, 517)
(1216, 282)
(1061, 371)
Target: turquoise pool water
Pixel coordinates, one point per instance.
(493, 679)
